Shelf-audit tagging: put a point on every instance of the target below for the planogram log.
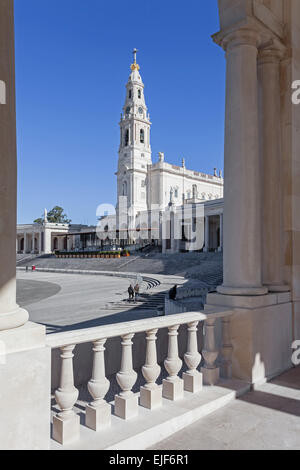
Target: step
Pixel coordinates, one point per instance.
(151, 427)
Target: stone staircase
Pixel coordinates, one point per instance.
(207, 268)
(144, 301)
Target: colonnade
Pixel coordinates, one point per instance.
(29, 242)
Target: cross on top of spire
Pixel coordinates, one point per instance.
(134, 66)
(134, 55)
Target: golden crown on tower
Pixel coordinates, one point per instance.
(135, 66)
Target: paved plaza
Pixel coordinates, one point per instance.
(264, 419)
(72, 301)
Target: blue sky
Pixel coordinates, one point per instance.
(72, 64)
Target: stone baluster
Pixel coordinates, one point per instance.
(126, 403)
(192, 378)
(173, 385)
(151, 393)
(210, 372)
(98, 413)
(227, 348)
(66, 423)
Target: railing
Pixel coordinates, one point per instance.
(66, 423)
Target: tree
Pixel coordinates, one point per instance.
(55, 216)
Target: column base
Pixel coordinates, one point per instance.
(210, 376)
(151, 398)
(226, 290)
(126, 407)
(98, 417)
(66, 431)
(173, 390)
(192, 382)
(13, 319)
(278, 287)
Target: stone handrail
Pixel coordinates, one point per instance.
(66, 424)
(57, 340)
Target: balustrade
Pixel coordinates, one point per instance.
(66, 423)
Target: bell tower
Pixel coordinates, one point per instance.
(135, 149)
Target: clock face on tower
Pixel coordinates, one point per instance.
(140, 110)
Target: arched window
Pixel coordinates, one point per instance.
(130, 94)
(126, 137)
(139, 94)
(142, 136)
(125, 188)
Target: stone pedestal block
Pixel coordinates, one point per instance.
(66, 431)
(151, 398)
(261, 334)
(126, 407)
(192, 383)
(25, 371)
(210, 376)
(173, 390)
(98, 418)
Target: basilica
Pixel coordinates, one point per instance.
(144, 188)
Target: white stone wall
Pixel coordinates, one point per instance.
(166, 177)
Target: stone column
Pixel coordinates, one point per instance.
(25, 242)
(69, 242)
(25, 361)
(33, 242)
(40, 242)
(11, 316)
(270, 147)
(242, 191)
(206, 239)
(221, 233)
(47, 241)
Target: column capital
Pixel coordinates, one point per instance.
(271, 55)
(240, 37)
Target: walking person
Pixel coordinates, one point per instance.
(130, 293)
(136, 291)
(173, 293)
